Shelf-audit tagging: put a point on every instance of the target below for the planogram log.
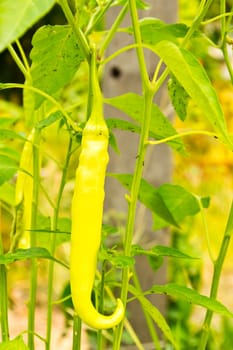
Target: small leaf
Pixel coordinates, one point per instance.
(191, 296)
(8, 168)
(15, 344)
(160, 127)
(179, 97)
(16, 17)
(56, 57)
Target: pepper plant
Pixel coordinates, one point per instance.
(59, 55)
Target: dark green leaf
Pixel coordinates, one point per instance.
(8, 168)
(16, 17)
(179, 97)
(191, 296)
(148, 196)
(121, 124)
(171, 203)
(160, 127)
(56, 57)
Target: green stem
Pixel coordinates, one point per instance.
(97, 17)
(81, 39)
(18, 61)
(77, 331)
(53, 244)
(203, 9)
(3, 298)
(34, 268)
(148, 99)
(111, 32)
(216, 278)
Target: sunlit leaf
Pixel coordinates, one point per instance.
(14, 344)
(55, 59)
(192, 76)
(16, 17)
(160, 127)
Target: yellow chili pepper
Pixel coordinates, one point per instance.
(23, 194)
(87, 212)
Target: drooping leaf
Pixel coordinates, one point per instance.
(160, 127)
(157, 317)
(179, 97)
(16, 17)
(191, 296)
(14, 344)
(8, 168)
(56, 57)
(192, 76)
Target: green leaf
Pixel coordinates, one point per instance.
(155, 315)
(160, 251)
(171, 203)
(179, 97)
(16, 17)
(7, 193)
(8, 168)
(121, 124)
(23, 254)
(160, 127)
(191, 296)
(154, 30)
(56, 57)
(192, 76)
(148, 196)
(15, 344)
(10, 152)
(52, 118)
(44, 234)
(7, 134)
